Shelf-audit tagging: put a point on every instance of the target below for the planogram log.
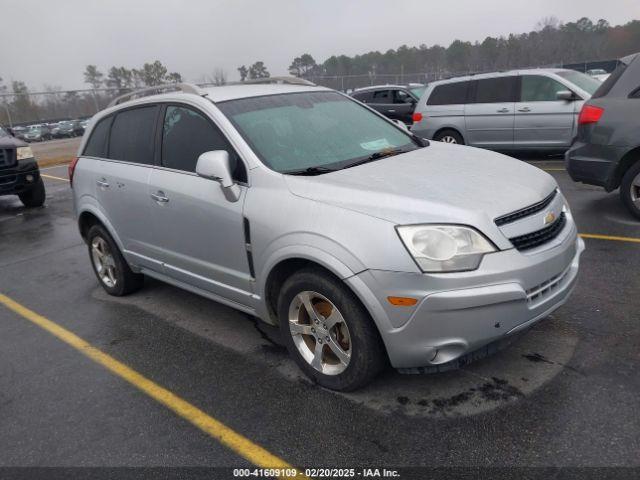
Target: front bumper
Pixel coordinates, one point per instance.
(459, 313)
(13, 180)
(593, 164)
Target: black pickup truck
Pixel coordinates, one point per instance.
(19, 172)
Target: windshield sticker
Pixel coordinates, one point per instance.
(376, 145)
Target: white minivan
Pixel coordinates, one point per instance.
(506, 111)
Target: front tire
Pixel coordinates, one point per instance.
(630, 189)
(35, 196)
(449, 136)
(328, 332)
(111, 269)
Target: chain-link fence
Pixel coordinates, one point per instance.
(17, 109)
(24, 108)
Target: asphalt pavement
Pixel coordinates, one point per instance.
(566, 393)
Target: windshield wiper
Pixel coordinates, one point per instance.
(310, 171)
(377, 156)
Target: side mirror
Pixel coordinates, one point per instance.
(566, 95)
(215, 166)
(401, 124)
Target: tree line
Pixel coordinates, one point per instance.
(551, 43)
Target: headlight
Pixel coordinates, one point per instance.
(24, 152)
(445, 248)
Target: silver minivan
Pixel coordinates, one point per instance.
(507, 111)
(363, 242)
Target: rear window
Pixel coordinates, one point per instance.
(449, 94)
(495, 90)
(608, 84)
(97, 144)
(132, 135)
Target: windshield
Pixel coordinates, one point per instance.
(585, 82)
(418, 91)
(297, 131)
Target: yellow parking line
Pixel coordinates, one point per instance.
(216, 429)
(610, 237)
(55, 178)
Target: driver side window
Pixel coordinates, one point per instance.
(536, 88)
(186, 134)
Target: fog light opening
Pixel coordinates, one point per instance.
(29, 178)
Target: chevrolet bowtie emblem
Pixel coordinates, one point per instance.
(549, 218)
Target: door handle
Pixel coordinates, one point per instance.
(525, 109)
(159, 197)
(102, 183)
(503, 110)
(391, 111)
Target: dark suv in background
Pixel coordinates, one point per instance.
(19, 172)
(606, 151)
(396, 102)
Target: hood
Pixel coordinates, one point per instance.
(11, 142)
(438, 183)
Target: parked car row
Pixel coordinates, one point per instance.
(47, 131)
(534, 109)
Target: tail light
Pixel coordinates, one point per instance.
(72, 169)
(590, 114)
(417, 117)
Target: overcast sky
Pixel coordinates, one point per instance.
(44, 42)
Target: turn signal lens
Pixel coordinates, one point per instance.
(590, 114)
(402, 301)
(417, 117)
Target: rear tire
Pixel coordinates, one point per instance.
(338, 331)
(630, 189)
(449, 136)
(34, 197)
(111, 269)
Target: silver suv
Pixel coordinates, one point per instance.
(508, 111)
(365, 243)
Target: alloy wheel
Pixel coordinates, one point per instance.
(320, 333)
(448, 139)
(103, 261)
(635, 191)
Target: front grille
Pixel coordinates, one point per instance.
(540, 237)
(525, 212)
(6, 159)
(542, 291)
(7, 179)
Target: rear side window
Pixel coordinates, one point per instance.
(132, 135)
(608, 84)
(449, 94)
(186, 134)
(382, 96)
(400, 96)
(495, 90)
(97, 144)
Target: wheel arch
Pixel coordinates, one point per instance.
(625, 163)
(454, 129)
(88, 216)
(284, 263)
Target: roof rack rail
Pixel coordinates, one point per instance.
(145, 92)
(286, 80)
